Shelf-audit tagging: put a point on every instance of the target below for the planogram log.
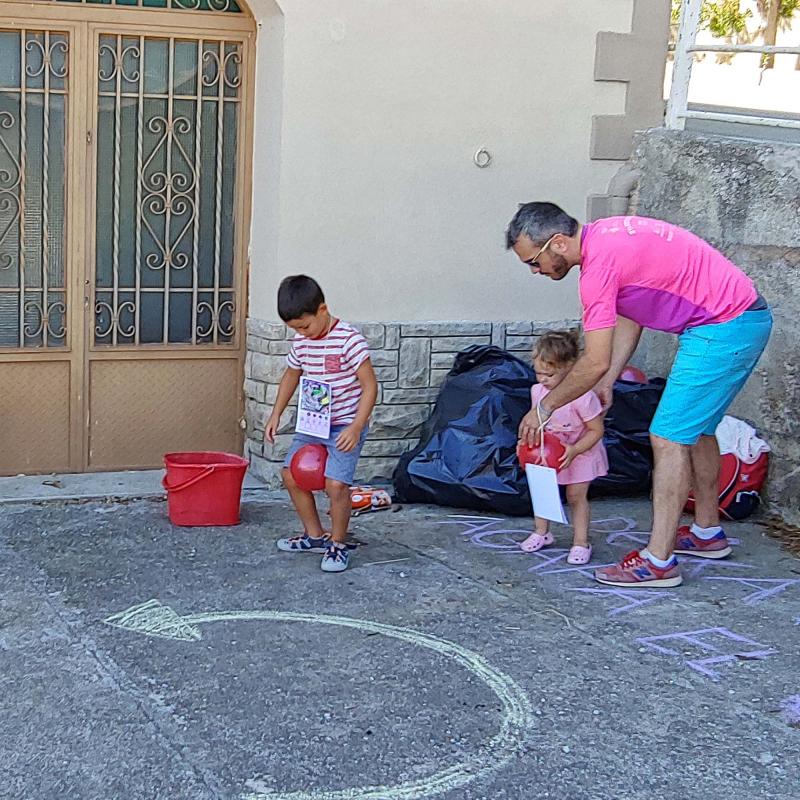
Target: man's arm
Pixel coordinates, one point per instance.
(626, 340)
(593, 364)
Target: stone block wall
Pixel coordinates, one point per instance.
(410, 359)
(743, 196)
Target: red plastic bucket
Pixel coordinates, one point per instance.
(204, 488)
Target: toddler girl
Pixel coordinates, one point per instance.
(579, 426)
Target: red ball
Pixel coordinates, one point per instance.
(308, 467)
(552, 447)
(633, 375)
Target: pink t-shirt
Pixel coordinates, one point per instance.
(658, 275)
(568, 423)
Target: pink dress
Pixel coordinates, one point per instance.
(568, 423)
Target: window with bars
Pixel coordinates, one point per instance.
(167, 139)
(33, 134)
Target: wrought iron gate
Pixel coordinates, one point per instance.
(124, 186)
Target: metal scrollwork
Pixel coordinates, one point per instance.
(118, 63)
(46, 54)
(188, 5)
(215, 319)
(61, 308)
(173, 192)
(114, 319)
(210, 5)
(35, 328)
(226, 68)
(233, 81)
(10, 178)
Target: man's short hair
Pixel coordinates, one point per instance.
(298, 295)
(539, 221)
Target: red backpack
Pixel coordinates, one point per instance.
(740, 486)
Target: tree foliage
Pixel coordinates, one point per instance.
(727, 19)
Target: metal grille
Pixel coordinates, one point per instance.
(168, 119)
(33, 113)
(188, 5)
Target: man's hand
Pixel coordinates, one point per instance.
(530, 425)
(271, 428)
(348, 438)
(570, 451)
(605, 393)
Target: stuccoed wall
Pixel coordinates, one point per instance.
(743, 196)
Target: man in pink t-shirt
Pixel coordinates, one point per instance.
(640, 273)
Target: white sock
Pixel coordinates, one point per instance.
(661, 564)
(705, 533)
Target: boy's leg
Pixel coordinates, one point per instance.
(304, 504)
(339, 472)
(578, 500)
(339, 496)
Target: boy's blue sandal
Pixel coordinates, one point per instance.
(335, 558)
(303, 544)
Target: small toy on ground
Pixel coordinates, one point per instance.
(366, 499)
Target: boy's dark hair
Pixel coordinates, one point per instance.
(298, 295)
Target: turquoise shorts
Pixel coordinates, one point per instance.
(712, 365)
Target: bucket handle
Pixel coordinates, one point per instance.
(186, 484)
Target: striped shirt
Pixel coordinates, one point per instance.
(334, 358)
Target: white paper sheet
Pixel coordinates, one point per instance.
(314, 408)
(544, 493)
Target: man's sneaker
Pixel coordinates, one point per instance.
(690, 544)
(637, 570)
(303, 544)
(335, 558)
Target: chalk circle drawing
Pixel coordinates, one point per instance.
(155, 619)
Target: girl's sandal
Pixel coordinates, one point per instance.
(536, 541)
(579, 555)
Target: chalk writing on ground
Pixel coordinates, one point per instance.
(623, 529)
(632, 598)
(154, 619)
(483, 532)
(493, 534)
(693, 567)
(733, 648)
(764, 587)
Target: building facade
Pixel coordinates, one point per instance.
(164, 163)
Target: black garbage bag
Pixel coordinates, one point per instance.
(627, 440)
(466, 457)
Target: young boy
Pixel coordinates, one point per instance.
(326, 349)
